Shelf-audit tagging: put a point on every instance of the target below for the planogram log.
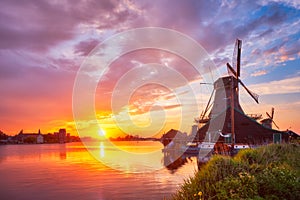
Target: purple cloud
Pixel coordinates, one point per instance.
(83, 48)
(42, 43)
(40, 25)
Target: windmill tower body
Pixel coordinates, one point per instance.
(226, 88)
(267, 123)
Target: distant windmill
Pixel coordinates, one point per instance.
(268, 122)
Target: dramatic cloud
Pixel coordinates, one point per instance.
(40, 25)
(289, 85)
(43, 44)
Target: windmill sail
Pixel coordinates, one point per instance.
(272, 113)
(238, 45)
(252, 94)
(231, 71)
(235, 69)
(236, 57)
(271, 117)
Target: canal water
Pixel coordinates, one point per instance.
(70, 171)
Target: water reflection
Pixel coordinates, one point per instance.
(112, 155)
(33, 151)
(174, 160)
(128, 156)
(62, 152)
(102, 154)
(68, 171)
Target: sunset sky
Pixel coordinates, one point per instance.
(44, 43)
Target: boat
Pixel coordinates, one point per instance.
(191, 149)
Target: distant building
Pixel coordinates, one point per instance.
(62, 135)
(40, 139)
(68, 137)
(31, 138)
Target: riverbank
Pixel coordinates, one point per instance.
(270, 172)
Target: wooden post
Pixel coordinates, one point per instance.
(232, 113)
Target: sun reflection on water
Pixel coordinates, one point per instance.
(69, 171)
(102, 152)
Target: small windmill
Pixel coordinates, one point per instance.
(268, 121)
(235, 72)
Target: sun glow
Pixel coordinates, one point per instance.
(101, 132)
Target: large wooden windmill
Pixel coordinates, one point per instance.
(228, 88)
(237, 127)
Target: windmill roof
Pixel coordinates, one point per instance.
(246, 128)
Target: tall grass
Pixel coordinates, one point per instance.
(270, 172)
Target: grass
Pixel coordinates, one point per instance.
(269, 172)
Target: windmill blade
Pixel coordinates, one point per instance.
(238, 62)
(201, 113)
(275, 124)
(271, 118)
(269, 115)
(208, 104)
(236, 57)
(230, 70)
(252, 94)
(272, 113)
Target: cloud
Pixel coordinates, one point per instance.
(172, 106)
(292, 3)
(259, 73)
(135, 67)
(42, 44)
(45, 24)
(85, 47)
(42, 25)
(289, 85)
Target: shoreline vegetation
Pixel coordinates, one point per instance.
(269, 172)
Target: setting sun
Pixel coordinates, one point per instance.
(101, 132)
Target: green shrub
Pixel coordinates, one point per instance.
(278, 183)
(270, 172)
(242, 187)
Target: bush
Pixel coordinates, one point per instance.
(242, 187)
(278, 183)
(270, 172)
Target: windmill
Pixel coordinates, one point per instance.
(227, 126)
(268, 121)
(228, 87)
(235, 72)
